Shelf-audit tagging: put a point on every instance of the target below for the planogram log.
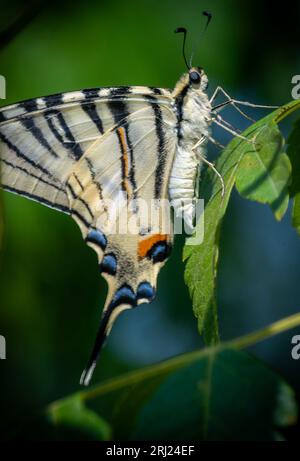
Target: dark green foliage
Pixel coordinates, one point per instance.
(261, 171)
(294, 155)
(194, 398)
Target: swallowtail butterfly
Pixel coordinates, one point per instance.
(74, 151)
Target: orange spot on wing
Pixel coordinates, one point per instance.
(147, 243)
(122, 138)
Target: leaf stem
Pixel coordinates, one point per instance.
(275, 328)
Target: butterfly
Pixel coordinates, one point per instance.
(84, 152)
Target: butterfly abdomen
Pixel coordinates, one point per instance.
(194, 119)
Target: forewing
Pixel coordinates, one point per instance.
(41, 140)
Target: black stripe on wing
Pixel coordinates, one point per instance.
(37, 133)
(56, 121)
(37, 198)
(53, 100)
(30, 106)
(93, 176)
(120, 113)
(158, 117)
(81, 218)
(91, 110)
(32, 175)
(80, 199)
(58, 100)
(23, 156)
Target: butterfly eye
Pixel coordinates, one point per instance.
(195, 77)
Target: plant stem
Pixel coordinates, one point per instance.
(182, 360)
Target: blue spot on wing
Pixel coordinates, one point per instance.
(145, 291)
(97, 237)
(124, 295)
(159, 252)
(109, 264)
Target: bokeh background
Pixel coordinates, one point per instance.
(51, 292)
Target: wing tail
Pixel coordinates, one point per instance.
(123, 298)
(102, 334)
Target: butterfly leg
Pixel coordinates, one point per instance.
(215, 142)
(210, 164)
(222, 120)
(235, 103)
(231, 129)
(229, 101)
(218, 120)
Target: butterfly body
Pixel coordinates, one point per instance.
(193, 123)
(101, 155)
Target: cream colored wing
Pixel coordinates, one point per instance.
(91, 154)
(123, 178)
(42, 139)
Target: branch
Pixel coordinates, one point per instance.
(185, 359)
(22, 21)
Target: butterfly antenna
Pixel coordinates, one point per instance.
(99, 342)
(183, 31)
(208, 15)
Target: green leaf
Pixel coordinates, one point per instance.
(296, 213)
(199, 402)
(293, 152)
(264, 173)
(193, 396)
(71, 417)
(216, 393)
(286, 410)
(194, 401)
(201, 260)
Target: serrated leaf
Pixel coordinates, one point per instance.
(293, 152)
(71, 416)
(201, 260)
(196, 399)
(296, 213)
(264, 173)
(285, 411)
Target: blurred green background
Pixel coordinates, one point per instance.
(50, 287)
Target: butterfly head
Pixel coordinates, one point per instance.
(194, 82)
(197, 78)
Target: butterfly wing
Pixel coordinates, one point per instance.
(120, 177)
(42, 139)
(104, 161)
